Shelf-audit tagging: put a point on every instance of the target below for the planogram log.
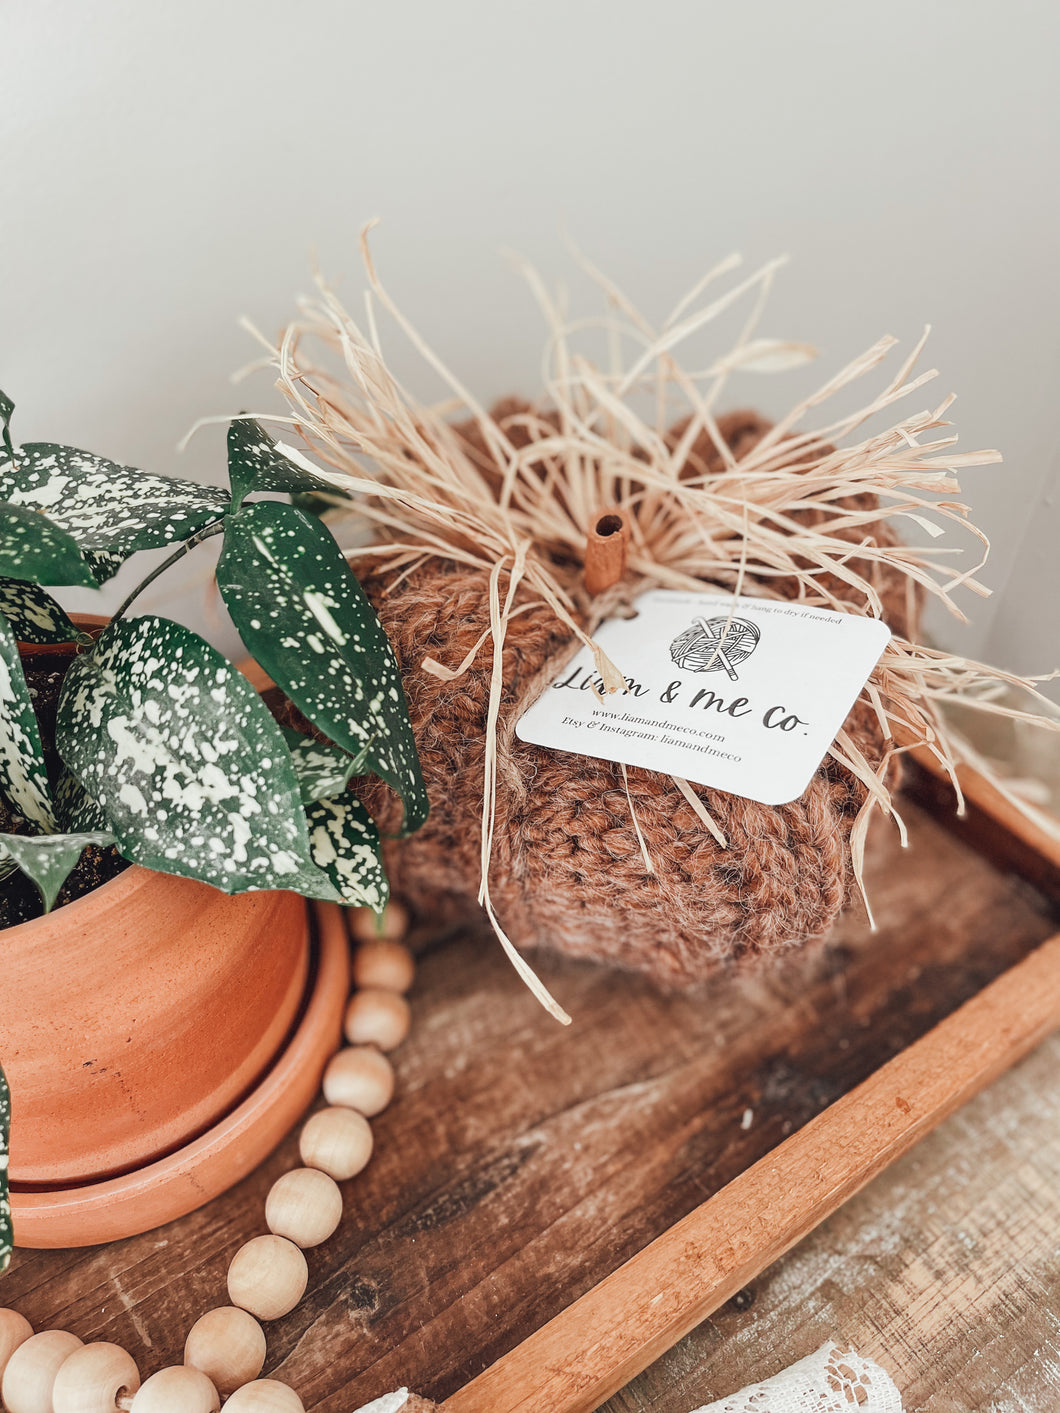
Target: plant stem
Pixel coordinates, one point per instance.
(214, 528)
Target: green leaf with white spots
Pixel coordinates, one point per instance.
(307, 621)
(23, 775)
(7, 407)
(48, 859)
(322, 769)
(344, 842)
(32, 547)
(7, 1241)
(104, 564)
(255, 463)
(190, 770)
(34, 615)
(318, 503)
(105, 506)
(75, 810)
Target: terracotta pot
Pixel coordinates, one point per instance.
(146, 1010)
(141, 1018)
(157, 1192)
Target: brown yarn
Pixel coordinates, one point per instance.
(567, 870)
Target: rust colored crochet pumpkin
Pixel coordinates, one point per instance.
(567, 870)
(481, 572)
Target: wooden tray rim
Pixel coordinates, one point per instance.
(590, 1350)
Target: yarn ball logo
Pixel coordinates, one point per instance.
(715, 645)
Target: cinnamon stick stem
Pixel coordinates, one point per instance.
(606, 547)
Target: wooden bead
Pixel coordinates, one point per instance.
(392, 926)
(305, 1206)
(178, 1389)
(228, 1346)
(268, 1277)
(93, 1378)
(377, 1018)
(359, 1078)
(385, 965)
(30, 1374)
(15, 1329)
(337, 1141)
(265, 1396)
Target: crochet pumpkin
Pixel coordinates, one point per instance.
(478, 534)
(567, 870)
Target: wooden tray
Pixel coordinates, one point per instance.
(549, 1210)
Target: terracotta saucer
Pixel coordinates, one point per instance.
(93, 1213)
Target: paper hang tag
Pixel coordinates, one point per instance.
(740, 694)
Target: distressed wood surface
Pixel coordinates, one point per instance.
(946, 1271)
(641, 1310)
(522, 1162)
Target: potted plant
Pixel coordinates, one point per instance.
(154, 999)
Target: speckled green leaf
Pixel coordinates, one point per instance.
(47, 859)
(34, 615)
(75, 810)
(317, 503)
(345, 844)
(307, 621)
(23, 777)
(31, 547)
(255, 464)
(105, 506)
(104, 564)
(185, 761)
(6, 1236)
(322, 770)
(6, 409)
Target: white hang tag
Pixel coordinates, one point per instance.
(739, 694)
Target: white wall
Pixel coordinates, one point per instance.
(166, 168)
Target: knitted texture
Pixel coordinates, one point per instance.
(567, 870)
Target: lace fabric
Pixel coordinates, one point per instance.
(389, 1403)
(833, 1379)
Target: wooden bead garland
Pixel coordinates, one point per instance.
(228, 1346)
(305, 1206)
(377, 1018)
(54, 1372)
(268, 1277)
(15, 1329)
(392, 926)
(360, 1078)
(265, 1396)
(94, 1378)
(31, 1371)
(178, 1387)
(384, 966)
(337, 1141)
